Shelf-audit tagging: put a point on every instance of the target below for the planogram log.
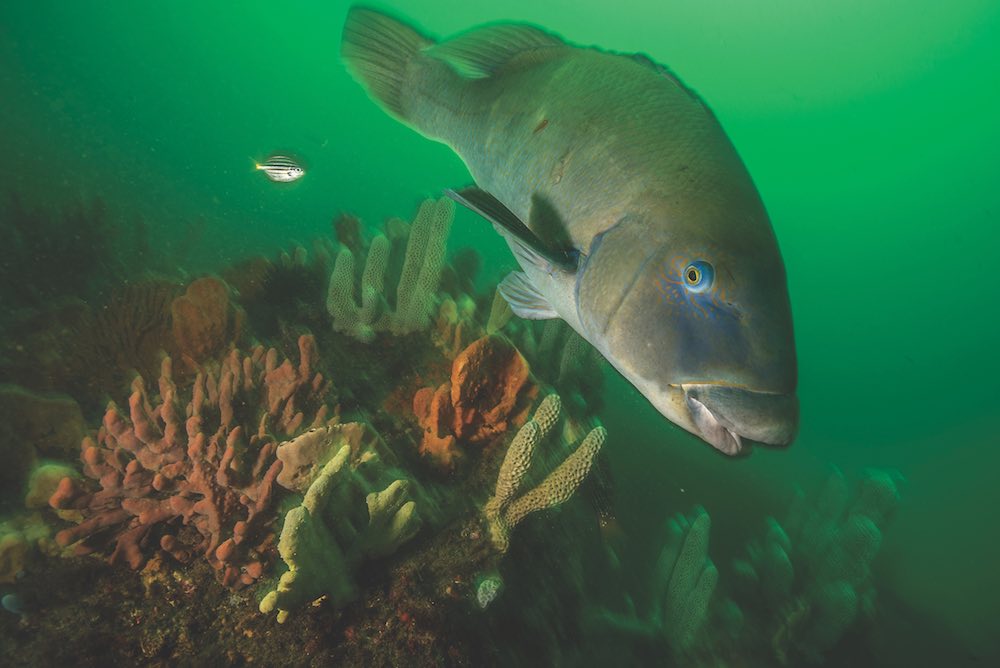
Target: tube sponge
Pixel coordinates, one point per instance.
(324, 540)
(316, 563)
(416, 291)
(361, 322)
(425, 253)
(506, 508)
(810, 577)
(684, 580)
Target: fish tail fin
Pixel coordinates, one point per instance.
(378, 50)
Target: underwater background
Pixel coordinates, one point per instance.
(129, 135)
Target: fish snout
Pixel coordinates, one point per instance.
(725, 416)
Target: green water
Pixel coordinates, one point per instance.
(870, 129)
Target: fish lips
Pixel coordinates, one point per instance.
(727, 416)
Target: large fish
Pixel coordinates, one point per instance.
(627, 207)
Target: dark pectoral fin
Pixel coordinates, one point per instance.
(493, 210)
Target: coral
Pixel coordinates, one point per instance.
(803, 585)
(13, 552)
(418, 279)
(213, 472)
(556, 488)
(434, 412)
(520, 452)
(458, 277)
(39, 347)
(489, 391)
(344, 519)
(507, 508)
(806, 582)
(247, 277)
(347, 228)
(425, 253)
(500, 314)
(204, 323)
(362, 321)
(51, 423)
(317, 565)
(129, 332)
(392, 520)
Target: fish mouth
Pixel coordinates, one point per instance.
(727, 417)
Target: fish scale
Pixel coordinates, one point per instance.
(607, 177)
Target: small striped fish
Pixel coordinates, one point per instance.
(281, 168)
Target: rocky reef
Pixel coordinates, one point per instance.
(801, 587)
(350, 455)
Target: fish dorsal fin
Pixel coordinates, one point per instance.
(666, 72)
(534, 249)
(643, 59)
(479, 53)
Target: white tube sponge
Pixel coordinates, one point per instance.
(373, 280)
(684, 580)
(340, 302)
(425, 254)
(559, 485)
(348, 317)
(520, 452)
(506, 508)
(418, 281)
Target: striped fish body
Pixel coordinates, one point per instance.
(281, 168)
(612, 155)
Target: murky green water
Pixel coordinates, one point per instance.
(869, 128)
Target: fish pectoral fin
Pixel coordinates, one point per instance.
(525, 301)
(527, 244)
(479, 53)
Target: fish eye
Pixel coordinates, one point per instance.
(698, 276)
